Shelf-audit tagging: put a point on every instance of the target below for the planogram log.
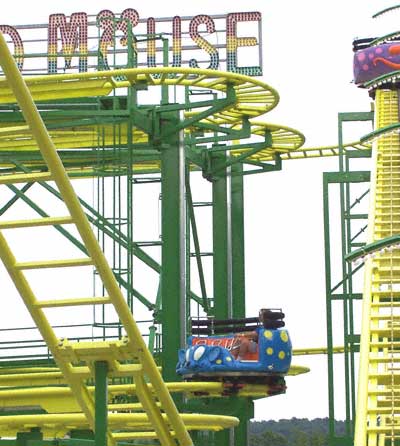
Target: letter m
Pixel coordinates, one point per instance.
(73, 35)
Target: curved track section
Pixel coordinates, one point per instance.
(253, 97)
(244, 98)
(127, 426)
(72, 144)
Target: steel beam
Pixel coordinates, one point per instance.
(222, 303)
(237, 243)
(101, 402)
(173, 311)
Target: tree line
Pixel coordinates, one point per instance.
(293, 432)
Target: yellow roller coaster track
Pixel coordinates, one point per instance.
(378, 408)
(36, 376)
(286, 141)
(19, 139)
(60, 399)
(252, 98)
(129, 356)
(127, 425)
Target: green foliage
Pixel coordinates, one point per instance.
(268, 438)
(293, 432)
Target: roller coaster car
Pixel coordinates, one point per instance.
(253, 351)
(373, 60)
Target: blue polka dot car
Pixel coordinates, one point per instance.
(239, 351)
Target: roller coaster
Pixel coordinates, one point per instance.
(106, 387)
(116, 126)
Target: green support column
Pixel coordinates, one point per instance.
(173, 313)
(222, 303)
(237, 242)
(245, 413)
(229, 280)
(229, 272)
(329, 327)
(101, 402)
(246, 407)
(231, 406)
(344, 187)
(221, 259)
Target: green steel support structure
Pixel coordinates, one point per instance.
(245, 407)
(237, 242)
(221, 258)
(101, 403)
(341, 293)
(173, 256)
(113, 212)
(228, 253)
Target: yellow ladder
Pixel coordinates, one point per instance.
(378, 400)
(128, 356)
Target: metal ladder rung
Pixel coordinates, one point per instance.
(385, 317)
(382, 359)
(388, 221)
(386, 332)
(384, 193)
(385, 304)
(26, 178)
(395, 390)
(87, 261)
(46, 221)
(390, 255)
(387, 429)
(384, 410)
(73, 302)
(385, 260)
(385, 344)
(386, 293)
(383, 229)
(114, 368)
(387, 270)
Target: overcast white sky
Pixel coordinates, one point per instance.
(308, 59)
